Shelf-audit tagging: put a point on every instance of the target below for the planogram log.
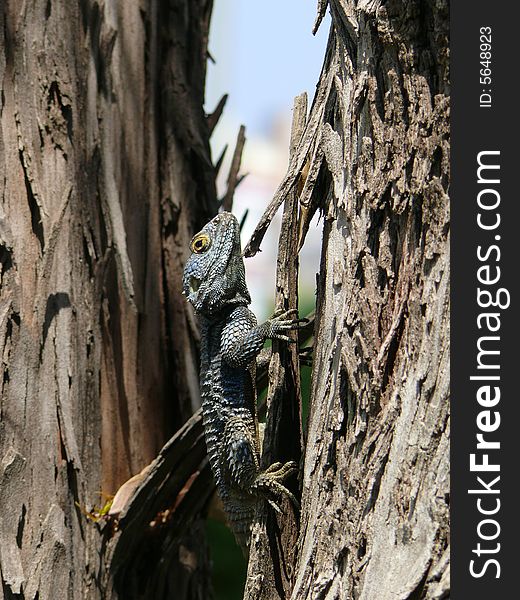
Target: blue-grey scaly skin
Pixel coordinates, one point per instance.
(231, 339)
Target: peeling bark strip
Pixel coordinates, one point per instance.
(273, 540)
(105, 174)
(375, 504)
(157, 523)
(233, 179)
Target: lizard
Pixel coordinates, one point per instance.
(231, 340)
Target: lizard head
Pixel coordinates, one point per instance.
(214, 275)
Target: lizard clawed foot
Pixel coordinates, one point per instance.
(306, 357)
(281, 471)
(285, 313)
(270, 481)
(281, 323)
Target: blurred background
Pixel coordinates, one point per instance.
(265, 55)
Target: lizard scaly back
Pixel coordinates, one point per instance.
(214, 283)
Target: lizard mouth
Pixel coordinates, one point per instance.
(194, 285)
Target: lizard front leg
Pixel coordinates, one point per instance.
(242, 338)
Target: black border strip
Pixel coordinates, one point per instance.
(477, 128)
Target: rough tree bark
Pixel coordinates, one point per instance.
(375, 157)
(105, 173)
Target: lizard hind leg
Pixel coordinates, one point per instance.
(241, 453)
(269, 483)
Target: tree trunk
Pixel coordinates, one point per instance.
(106, 172)
(375, 156)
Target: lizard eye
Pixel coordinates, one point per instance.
(200, 243)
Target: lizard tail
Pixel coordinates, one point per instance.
(241, 520)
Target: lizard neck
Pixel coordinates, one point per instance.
(220, 312)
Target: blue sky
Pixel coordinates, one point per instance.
(265, 56)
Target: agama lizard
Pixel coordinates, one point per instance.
(214, 283)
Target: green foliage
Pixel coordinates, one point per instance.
(229, 565)
(305, 375)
